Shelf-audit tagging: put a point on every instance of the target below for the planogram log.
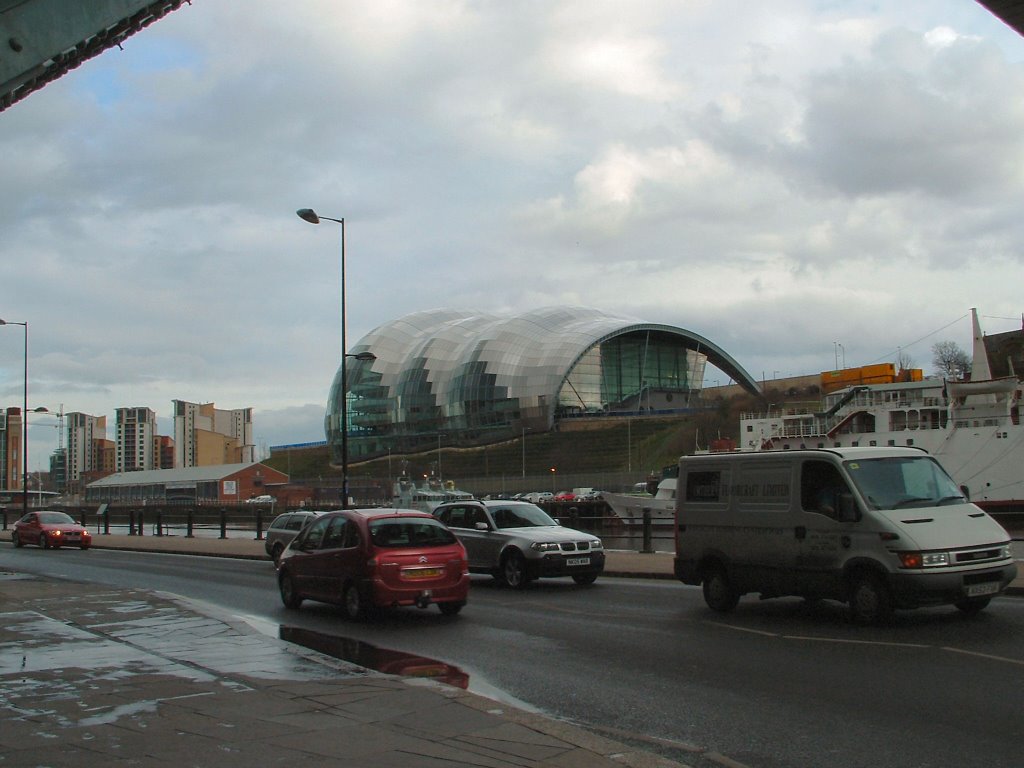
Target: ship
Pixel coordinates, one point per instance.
(425, 497)
(657, 496)
(972, 427)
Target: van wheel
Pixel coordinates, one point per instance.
(719, 593)
(974, 605)
(870, 601)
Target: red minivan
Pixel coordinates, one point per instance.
(363, 559)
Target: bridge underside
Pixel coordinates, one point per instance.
(41, 40)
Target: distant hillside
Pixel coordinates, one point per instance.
(581, 452)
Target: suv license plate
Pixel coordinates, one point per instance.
(978, 590)
(577, 561)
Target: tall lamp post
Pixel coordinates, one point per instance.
(308, 214)
(24, 422)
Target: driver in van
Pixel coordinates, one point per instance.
(822, 489)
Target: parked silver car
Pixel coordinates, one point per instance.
(517, 542)
(286, 527)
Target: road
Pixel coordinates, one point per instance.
(776, 683)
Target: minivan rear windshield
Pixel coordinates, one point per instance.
(410, 533)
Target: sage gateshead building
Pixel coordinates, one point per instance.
(465, 378)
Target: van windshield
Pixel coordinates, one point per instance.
(903, 481)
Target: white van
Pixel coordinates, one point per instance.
(877, 528)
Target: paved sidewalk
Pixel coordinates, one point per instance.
(96, 676)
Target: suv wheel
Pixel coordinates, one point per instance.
(513, 570)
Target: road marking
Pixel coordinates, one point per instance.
(743, 629)
(1018, 662)
(855, 642)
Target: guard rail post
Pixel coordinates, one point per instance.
(647, 531)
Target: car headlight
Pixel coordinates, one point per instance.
(596, 544)
(924, 559)
(545, 546)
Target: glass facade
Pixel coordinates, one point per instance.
(470, 379)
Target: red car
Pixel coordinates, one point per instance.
(364, 559)
(50, 529)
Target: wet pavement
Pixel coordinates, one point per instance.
(96, 676)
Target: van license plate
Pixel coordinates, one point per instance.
(577, 561)
(978, 590)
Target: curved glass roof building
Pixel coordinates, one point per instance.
(470, 378)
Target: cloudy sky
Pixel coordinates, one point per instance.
(801, 181)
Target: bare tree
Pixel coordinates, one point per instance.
(904, 361)
(951, 361)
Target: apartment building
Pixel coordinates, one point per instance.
(207, 436)
(136, 440)
(11, 476)
(88, 449)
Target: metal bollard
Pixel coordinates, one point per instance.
(142, 523)
(648, 549)
(131, 522)
(259, 524)
(189, 535)
(159, 522)
(106, 522)
(223, 523)
(3, 516)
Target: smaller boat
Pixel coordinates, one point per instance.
(425, 497)
(630, 507)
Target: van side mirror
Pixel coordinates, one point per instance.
(482, 527)
(847, 509)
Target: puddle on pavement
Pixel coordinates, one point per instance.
(372, 657)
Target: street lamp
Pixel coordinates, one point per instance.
(24, 422)
(524, 450)
(307, 214)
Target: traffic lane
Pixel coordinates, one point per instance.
(774, 683)
(784, 683)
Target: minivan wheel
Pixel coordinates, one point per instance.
(870, 601)
(355, 608)
(719, 593)
(513, 571)
(974, 605)
(289, 596)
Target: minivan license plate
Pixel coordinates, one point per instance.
(577, 561)
(977, 590)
